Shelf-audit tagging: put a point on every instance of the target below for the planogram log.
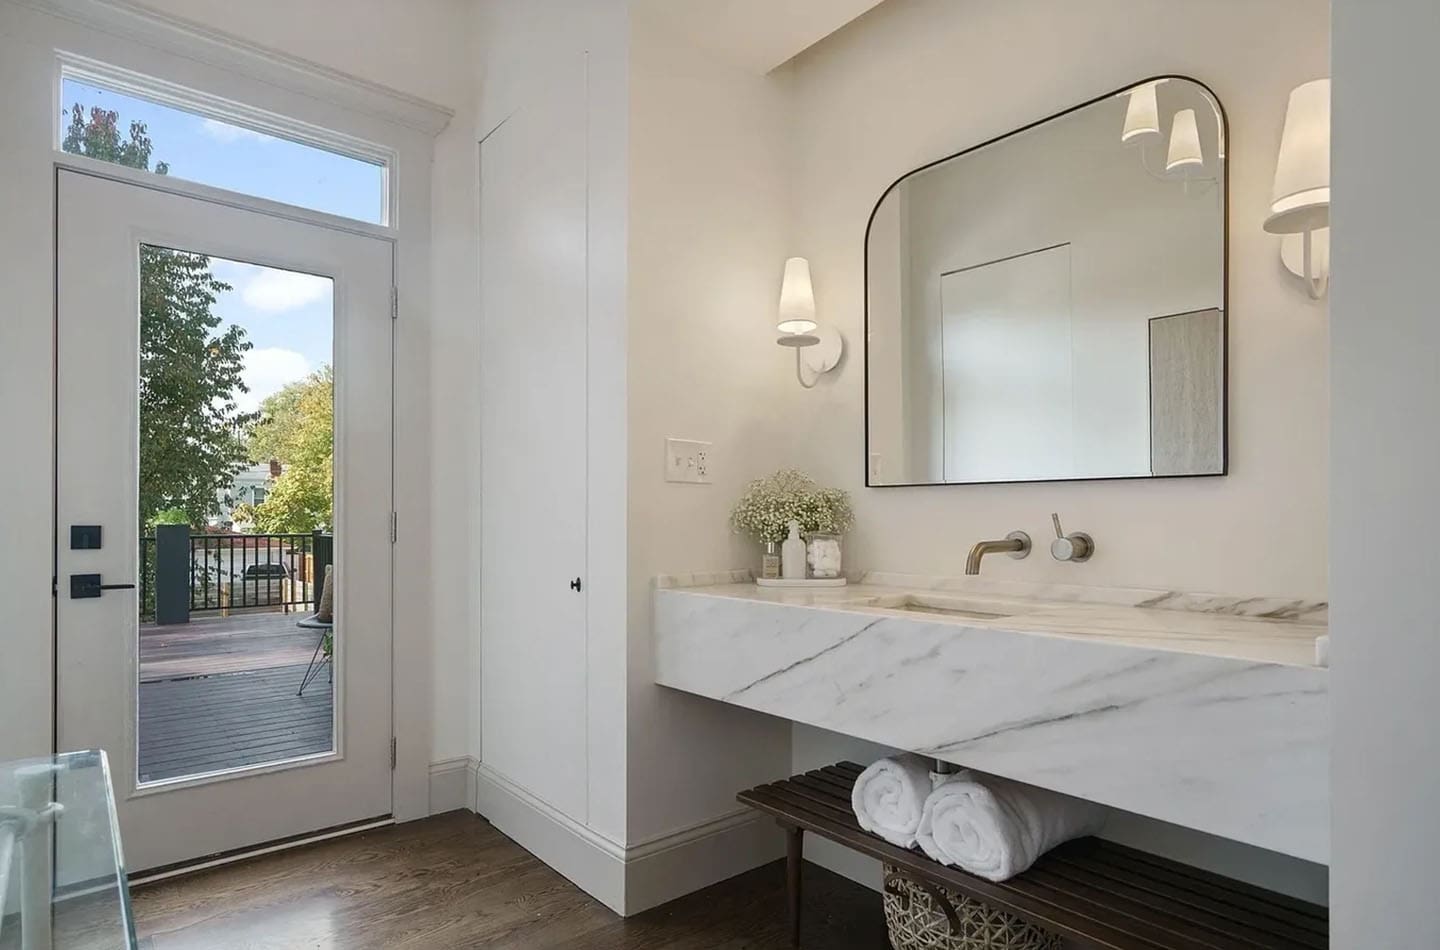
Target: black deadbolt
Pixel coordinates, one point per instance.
(84, 537)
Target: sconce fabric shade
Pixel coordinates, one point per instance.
(1142, 115)
(1300, 200)
(797, 299)
(1185, 151)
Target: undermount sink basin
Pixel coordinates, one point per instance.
(948, 606)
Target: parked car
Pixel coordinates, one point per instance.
(259, 572)
(260, 585)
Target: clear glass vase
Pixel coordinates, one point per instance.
(770, 560)
(823, 555)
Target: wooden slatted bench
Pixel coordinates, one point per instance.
(1092, 892)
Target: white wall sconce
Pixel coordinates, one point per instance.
(1185, 155)
(1142, 116)
(817, 349)
(1300, 202)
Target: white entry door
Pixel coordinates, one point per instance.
(223, 433)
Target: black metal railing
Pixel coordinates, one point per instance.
(181, 573)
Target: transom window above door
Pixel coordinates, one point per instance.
(125, 128)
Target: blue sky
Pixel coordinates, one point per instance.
(228, 156)
(287, 316)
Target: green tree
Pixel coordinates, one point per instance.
(171, 516)
(191, 428)
(243, 513)
(98, 136)
(297, 428)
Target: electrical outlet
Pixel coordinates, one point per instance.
(688, 462)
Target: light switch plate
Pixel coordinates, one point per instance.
(688, 462)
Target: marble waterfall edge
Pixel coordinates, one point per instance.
(1208, 713)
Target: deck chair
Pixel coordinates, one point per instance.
(322, 619)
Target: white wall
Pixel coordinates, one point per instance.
(1385, 464)
(419, 47)
(26, 379)
(453, 433)
(917, 79)
(709, 196)
(914, 80)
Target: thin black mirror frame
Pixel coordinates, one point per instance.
(1224, 185)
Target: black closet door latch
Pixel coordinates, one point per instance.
(84, 586)
(575, 584)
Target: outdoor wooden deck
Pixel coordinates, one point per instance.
(220, 693)
(211, 644)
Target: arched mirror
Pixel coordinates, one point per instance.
(1051, 305)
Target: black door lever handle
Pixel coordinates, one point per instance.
(84, 586)
(575, 584)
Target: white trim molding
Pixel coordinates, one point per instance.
(199, 42)
(198, 102)
(452, 784)
(593, 862)
(675, 864)
(626, 878)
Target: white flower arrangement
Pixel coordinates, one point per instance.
(769, 504)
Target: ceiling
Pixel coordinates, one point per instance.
(757, 35)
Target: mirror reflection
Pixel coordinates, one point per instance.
(1051, 305)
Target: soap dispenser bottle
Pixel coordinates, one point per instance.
(792, 555)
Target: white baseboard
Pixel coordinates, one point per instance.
(452, 785)
(627, 879)
(591, 861)
(661, 869)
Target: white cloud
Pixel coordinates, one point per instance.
(268, 370)
(226, 133)
(231, 272)
(278, 291)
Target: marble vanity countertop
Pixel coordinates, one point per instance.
(1202, 710)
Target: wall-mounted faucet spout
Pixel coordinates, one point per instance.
(1016, 544)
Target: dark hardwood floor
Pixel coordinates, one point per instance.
(453, 881)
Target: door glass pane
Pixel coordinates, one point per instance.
(126, 130)
(236, 514)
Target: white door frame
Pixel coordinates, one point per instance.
(155, 45)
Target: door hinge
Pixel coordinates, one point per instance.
(394, 527)
(394, 746)
(394, 303)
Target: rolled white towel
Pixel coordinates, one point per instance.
(996, 828)
(889, 798)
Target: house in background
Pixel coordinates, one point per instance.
(249, 486)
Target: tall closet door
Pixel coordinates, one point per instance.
(533, 444)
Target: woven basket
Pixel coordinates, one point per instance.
(924, 916)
